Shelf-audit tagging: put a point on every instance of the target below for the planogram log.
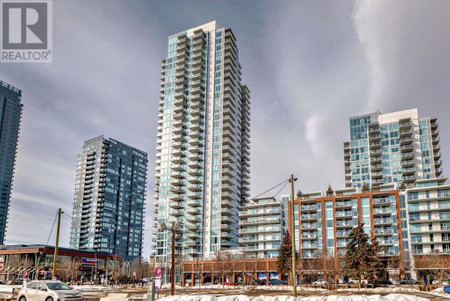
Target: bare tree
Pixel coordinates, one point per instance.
(14, 265)
(197, 271)
(435, 266)
(331, 269)
(223, 263)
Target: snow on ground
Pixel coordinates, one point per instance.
(391, 297)
(440, 292)
(93, 288)
(8, 289)
(258, 287)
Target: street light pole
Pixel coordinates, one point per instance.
(172, 284)
(294, 277)
(173, 229)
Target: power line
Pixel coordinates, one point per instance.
(284, 182)
(281, 189)
(51, 231)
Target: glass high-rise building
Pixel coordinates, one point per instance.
(109, 201)
(10, 119)
(203, 145)
(398, 147)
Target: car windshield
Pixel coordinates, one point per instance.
(57, 286)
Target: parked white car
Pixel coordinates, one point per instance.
(353, 281)
(48, 291)
(320, 283)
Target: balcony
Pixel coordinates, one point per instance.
(345, 204)
(382, 221)
(344, 224)
(409, 179)
(376, 167)
(406, 148)
(384, 232)
(388, 242)
(344, 214)
(175, 213)
(408, 163)
(308, 236)
(405, 133)
(308, 217)
(375, 160)
(374, 138)
(407, 156)
(307, 246)
(374, 145)
(382, 211)
(381, 202)
(405, 125)
(342, 233)
(307, 226)
(377, 175)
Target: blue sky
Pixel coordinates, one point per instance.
(309, 66)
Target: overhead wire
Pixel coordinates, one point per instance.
(53, 226)
(284, 182)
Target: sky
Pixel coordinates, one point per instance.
(308, 64)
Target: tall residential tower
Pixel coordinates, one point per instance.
(10, 118)
(397, 148)
(109, 202)
(203, 146)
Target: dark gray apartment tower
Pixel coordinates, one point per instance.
(109, 201)
(10, 118)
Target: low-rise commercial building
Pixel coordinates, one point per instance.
(36, 261)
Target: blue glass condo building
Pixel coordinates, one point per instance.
(203, 145)
(388, 148)
(10, 119)
(109, 201)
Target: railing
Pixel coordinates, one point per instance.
(308, 207)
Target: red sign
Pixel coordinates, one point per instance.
(158, 272)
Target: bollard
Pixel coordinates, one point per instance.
(153, 291)
(148, 291)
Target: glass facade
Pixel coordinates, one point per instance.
(10, 119)
(109, 202)
(390, 148)
(328, 234)
(261, 228)
(202, 166)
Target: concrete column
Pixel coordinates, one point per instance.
(193, 279)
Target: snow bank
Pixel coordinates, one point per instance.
(391, 297)
(92, 288)
(385, 290)
(440, 292)
(8, 288)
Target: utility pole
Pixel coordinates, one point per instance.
(294, 266)
(55, 255)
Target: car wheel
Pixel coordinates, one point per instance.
(22, 298)
(49, 299)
